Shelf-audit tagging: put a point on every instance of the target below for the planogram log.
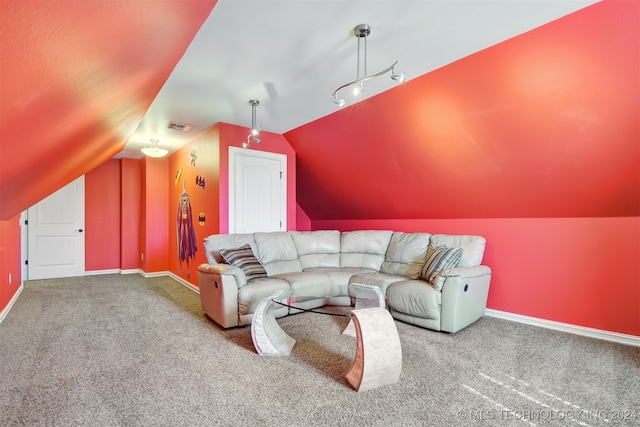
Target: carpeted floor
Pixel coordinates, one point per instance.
(122, 350)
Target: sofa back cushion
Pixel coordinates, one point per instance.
(364, 248)
(215, 242)
(406, 254)
(317, 248)
(472, 247)
(276, 252)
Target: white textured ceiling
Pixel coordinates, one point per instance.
(292, 54)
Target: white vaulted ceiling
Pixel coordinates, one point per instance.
(292, 54)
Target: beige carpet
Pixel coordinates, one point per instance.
(121, 350)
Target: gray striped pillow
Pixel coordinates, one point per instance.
(243, 258)
(438, 259)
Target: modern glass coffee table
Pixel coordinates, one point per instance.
(378, 358)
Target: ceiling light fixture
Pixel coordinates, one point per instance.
(154, 150)
(361, 32)
(255, 128)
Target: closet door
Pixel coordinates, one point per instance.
(257, 191)
(56, 234)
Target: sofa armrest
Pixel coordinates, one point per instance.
(468, 272)
(218, 285)
(464, 296)
(227, 270)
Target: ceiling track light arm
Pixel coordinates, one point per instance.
(362, 31)
(364, 79)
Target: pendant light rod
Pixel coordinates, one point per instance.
(361, 32)
(255, 128)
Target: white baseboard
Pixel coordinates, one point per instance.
(6, 310)
(154, 273)
(170, 274)
(184, 282)
(566, 327)
(97, 272)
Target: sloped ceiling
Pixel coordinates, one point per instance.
(76, 79)
(546, 124)
(291, 55)
(85, 81)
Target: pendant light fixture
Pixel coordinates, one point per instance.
(154, 150)
(255, 128)
(362, 31)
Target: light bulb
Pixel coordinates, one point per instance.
(399, 77)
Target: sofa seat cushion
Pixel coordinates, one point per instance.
(415, 298)
(340, 277)
(381, 280)
(307, 284)
(250, 295)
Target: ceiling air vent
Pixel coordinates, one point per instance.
(179, 126)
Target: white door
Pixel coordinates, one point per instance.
(56, 234)
(257, 191)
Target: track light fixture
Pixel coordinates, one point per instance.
(154, 150)
(361, 32)
(255, 128)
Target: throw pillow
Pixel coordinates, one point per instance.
(243, 258)
(438, 259)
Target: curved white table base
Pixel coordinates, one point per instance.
(268, 338)
(366, 296)
(378, 359)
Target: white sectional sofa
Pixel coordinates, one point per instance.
(315, 268)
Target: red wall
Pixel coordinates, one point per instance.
(234, 136)
(130, 215)
(113, 216)
(533, 143)
(197, 165)
(154, 235)
(303, 220)
(212, 164)
(544, 125)
(9, 260)
(102, 217)
(580, 271)
(76, 78)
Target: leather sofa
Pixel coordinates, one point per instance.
(315, 268)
